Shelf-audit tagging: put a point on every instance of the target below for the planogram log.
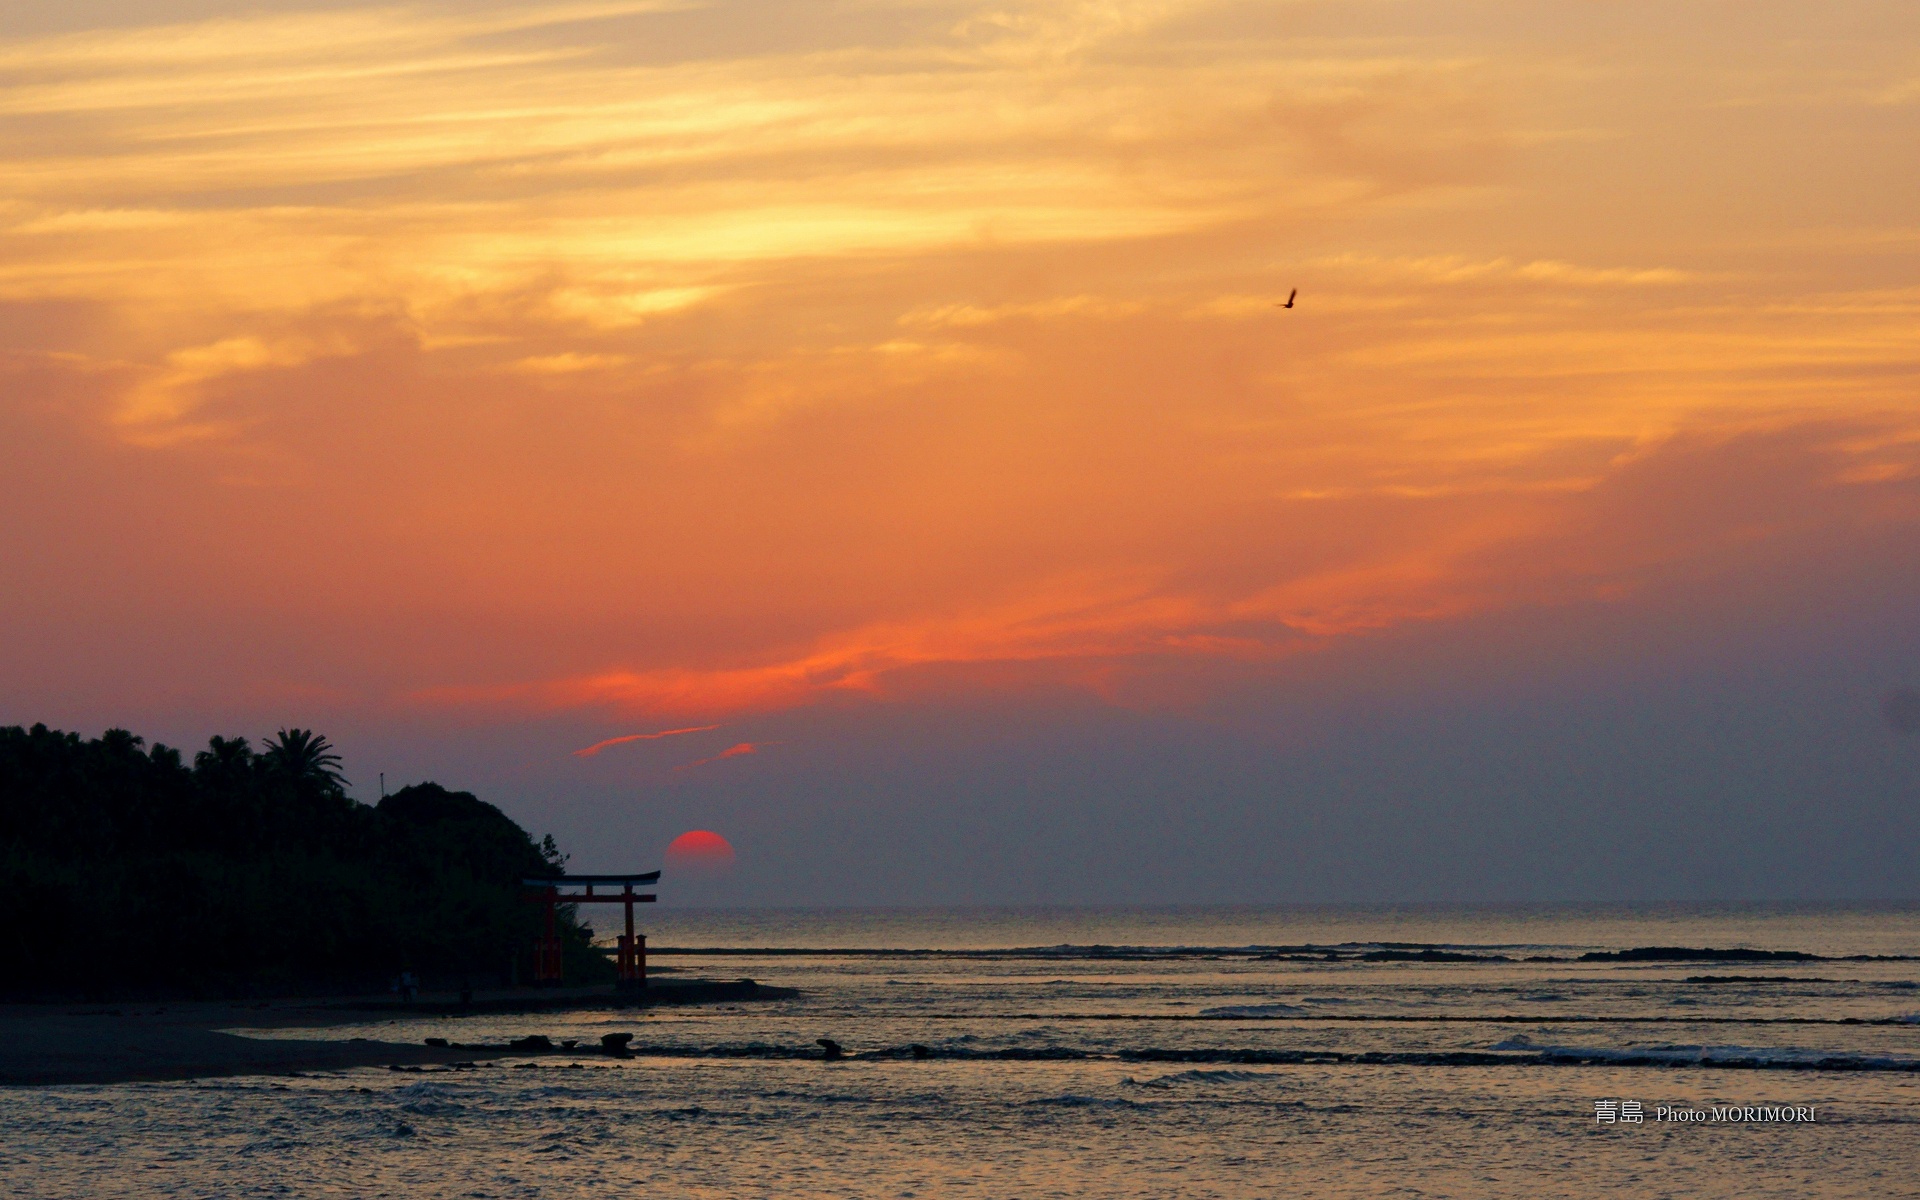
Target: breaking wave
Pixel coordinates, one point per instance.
(1514, 1051)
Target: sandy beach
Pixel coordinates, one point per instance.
(91, 1043)
(127, 1042)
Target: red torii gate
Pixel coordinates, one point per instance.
(631, 961)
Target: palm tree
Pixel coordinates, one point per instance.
(304, 757)
(225, 760)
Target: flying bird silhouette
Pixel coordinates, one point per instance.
(1290, 296)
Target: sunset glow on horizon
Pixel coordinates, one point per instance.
(651, 365)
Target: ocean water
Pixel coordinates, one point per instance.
(1207, 1052)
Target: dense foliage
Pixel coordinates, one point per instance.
(127, 869)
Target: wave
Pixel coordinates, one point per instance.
(1075, 1100)
(429, 1100)
(1285, 1012)
(1342, 951)
(1362, 952)
(1513, 1052)
(1748, 1057)
(1252, 1010)
(1700, 954)
(1202, 1077)
(1724, 1057)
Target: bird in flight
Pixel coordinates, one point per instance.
(1290, 296)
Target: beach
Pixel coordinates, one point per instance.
(104, 1044)
(112, 1043)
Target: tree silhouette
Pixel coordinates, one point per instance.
(225, 761)
(122, 868)
(305, 758)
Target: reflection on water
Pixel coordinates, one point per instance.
(1213, 1070)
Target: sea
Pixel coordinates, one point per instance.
(1478, 1052)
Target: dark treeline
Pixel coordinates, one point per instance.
(126, 870)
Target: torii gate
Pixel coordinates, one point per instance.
(631, 962)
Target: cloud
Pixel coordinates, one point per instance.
(161, 410)
(1590, 539)
(598, 364)
(734, 751)
(1072, 634)
(570, 363)
(1454, 269)
(597, 747)
(1071, 622)
(525, 179)
(967, 315)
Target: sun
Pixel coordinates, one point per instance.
(700, 852)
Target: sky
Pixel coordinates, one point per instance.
(869, 431)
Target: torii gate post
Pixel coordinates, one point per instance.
(630, 962)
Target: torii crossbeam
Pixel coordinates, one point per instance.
(631, 962)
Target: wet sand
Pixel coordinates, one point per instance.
(121, 1043)
(48, 1044)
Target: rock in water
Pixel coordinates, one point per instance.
(833, 1048)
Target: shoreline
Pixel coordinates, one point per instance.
(52, 1044)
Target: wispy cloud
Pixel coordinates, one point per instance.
(515, 172)
(733, 751)
(1482, 547)
(1072, 632)
(597, 747)
(1460, 269)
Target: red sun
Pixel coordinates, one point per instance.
(700, 850)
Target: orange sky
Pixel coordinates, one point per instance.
(668, 363)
